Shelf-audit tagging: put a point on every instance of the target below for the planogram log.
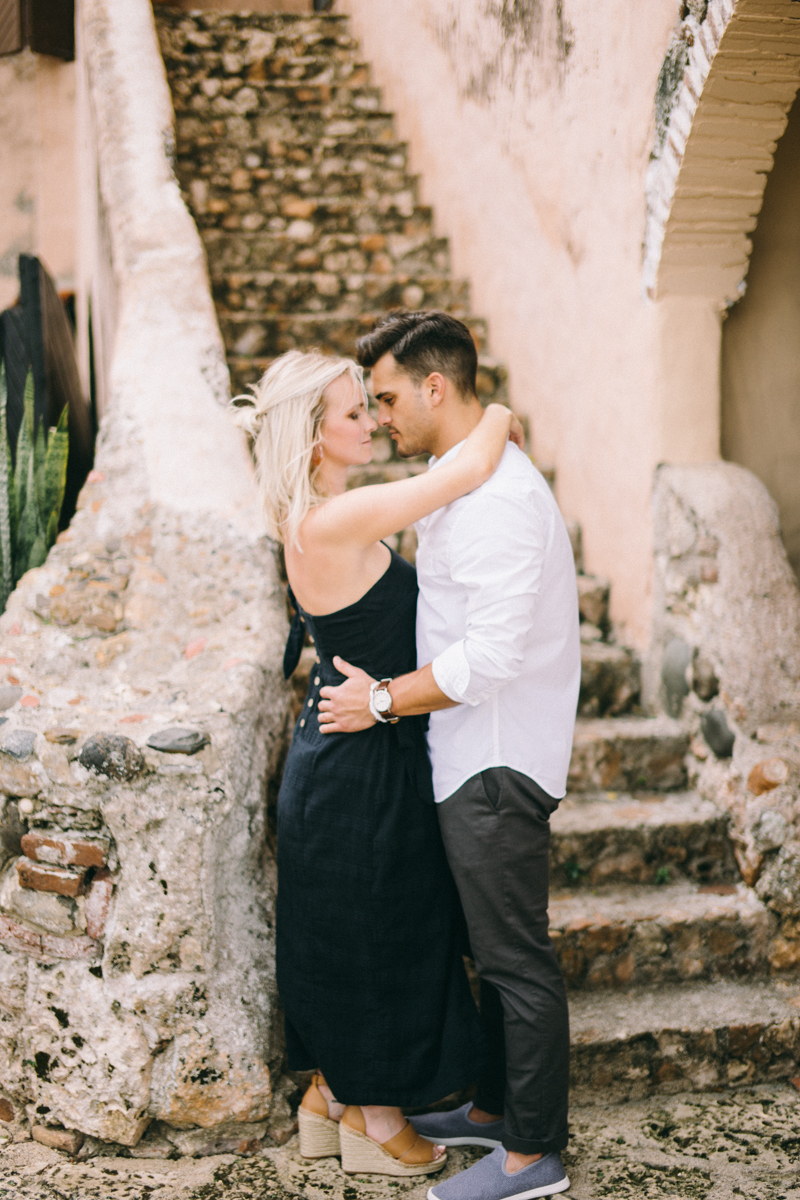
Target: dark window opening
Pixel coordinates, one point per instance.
(46, 26)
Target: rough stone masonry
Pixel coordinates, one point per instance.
(142, 711)
(141, 721)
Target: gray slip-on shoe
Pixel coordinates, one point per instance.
(489, 1180)
(455, 1128)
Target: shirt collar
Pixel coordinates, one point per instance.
(448, 456)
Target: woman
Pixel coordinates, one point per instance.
(368, 949)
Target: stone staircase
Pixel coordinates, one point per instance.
(312, 227)
(301, 192)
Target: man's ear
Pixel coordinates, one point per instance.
(434, 388)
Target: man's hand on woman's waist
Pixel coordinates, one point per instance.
(345, 709)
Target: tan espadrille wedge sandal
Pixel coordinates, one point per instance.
(319, 1134)
(407, 1153)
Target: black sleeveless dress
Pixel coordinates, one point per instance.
(369, 961)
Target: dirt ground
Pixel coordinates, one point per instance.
(698, 1147)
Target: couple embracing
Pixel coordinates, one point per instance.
(389, 872)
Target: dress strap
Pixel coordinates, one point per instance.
(294, 642)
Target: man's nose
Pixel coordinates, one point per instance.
(384, 414)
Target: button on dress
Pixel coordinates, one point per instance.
(369, 928)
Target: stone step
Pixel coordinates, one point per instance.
(290, 29)
(364, 180)
(682, 1038)
(296, 245)
(328, 214)
(291, 36)
(649, 936)
(337, 157)
(248, 335)
(190, 69)
(593, 597)
(610, 679)
(324, 291)
(606, 838)
(284, 125)
(628, 754)
(210, 97)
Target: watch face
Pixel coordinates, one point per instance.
(383, 701)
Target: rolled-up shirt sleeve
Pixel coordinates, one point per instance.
(496, 552)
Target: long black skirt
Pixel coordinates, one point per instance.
(369, 929)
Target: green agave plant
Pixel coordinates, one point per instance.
(31, 493)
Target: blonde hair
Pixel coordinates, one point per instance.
(284, 418)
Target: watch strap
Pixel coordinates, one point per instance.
(387, 717)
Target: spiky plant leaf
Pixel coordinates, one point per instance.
(31, 491)
(55, 475)
(38, 550)
(12, 503)
(29, 526)
(39, 454)
(24, 463)
(28, 403)
(51, 532)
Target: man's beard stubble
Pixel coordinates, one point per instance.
(417, 439)
(409, 449)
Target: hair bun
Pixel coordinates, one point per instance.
(245, 414)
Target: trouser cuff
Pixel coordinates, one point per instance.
(520, 1145)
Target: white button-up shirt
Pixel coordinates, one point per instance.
(498, 618)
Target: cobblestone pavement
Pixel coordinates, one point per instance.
(689, 1147)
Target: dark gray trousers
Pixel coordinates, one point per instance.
(496, 833)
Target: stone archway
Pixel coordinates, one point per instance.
(729, 78)
(724, 117)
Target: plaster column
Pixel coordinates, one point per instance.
(687, 379)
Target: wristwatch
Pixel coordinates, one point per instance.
(380, 702)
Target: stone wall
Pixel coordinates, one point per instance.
(725, 590)
(144, 712)
(725, 658)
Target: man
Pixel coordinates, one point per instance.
(497, 637)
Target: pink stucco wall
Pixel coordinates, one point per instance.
(531, 126)
(37, 168)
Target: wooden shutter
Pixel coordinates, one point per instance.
(51, 27)
(10, 26)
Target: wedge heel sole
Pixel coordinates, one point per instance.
(362, 1156)
(319, 1136)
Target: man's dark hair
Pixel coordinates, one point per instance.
(423, 342)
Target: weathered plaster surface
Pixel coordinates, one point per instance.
(160, 607)
(497, 44)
